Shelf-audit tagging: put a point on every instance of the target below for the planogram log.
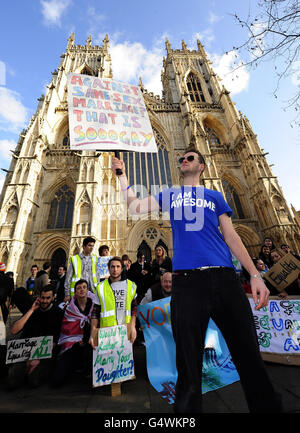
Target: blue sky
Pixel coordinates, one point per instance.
(34, 33)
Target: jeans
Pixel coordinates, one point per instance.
(197, 296)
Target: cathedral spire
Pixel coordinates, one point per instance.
(89, 42)
(106, 43)
(168, 45)
(71, 41)
(184, 45)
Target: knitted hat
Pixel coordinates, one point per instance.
(2, 267)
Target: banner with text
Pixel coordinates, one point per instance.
(29, 348)
(107, 115)
(218, 368)
(113, 357)
(278, 326)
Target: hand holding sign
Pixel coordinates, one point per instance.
(118, 164)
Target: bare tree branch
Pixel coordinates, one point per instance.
(274, 34)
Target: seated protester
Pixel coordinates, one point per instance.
(115, 302)
(160, 290)
(42, 319)
(265, 256)
(286, 249)
(260, 266)
(162, 263)
(75, 352)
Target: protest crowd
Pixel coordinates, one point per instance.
(69, 307)
(268, 256)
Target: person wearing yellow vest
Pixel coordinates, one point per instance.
(82, 266)
(115, 301)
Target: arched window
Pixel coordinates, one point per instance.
(148, 171)
(61, 211)
(213, 139)
(194, 88)
(233, 200)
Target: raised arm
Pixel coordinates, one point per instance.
(135, 205)
(19, 324)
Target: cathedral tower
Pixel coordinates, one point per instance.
(53, 197)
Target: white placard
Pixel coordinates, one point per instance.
(29, 348)
(107, 115)
(278, 326)
(113, 357)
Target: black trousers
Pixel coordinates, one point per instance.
(78, 356)
(198, 296)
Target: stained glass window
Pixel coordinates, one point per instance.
(61, 210)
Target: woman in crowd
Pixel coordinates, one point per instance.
(265, 256)
(161, 264)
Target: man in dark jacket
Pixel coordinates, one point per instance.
(140, 274)
(159, 290)
(42, 319)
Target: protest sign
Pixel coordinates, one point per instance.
(102, 265)
(113, 357)
(278, 329)
(29, 348)
(218, 369)
(284, 272)
(107, 115)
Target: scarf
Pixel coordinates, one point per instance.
(73, 323)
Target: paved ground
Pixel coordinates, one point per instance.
(138, 396)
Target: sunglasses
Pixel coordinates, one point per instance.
(189, 158)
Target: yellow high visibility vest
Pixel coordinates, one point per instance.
(108, 315)
(77, 268)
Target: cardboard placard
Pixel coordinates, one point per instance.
(284, 272)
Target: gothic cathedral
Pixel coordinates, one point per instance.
(53, 197)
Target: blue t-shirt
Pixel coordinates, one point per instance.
(197, 240)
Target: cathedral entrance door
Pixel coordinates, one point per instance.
(58, 259)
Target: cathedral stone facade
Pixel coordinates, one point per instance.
(53, 197)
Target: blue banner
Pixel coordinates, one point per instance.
(218, 369)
